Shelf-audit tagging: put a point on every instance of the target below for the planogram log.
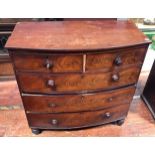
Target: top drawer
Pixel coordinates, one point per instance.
(122, 58)
(58, 63)
(49, 63)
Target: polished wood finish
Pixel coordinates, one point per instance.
(76, 35)
(77, 103)
(49, 63)
(117, 58)
(149, 91)
(77, 120)
(75, 74)
(47, 83)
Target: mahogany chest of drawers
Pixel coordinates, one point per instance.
(76, 74)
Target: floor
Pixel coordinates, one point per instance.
(139, 121)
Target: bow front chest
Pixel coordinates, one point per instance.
(76, 74)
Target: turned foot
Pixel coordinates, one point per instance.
(120, 122)
(36, 131)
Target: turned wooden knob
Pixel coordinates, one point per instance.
(54, 122)
(48, 64)
(52, 105)
(50, 83)
(110, 99)
(118, 61)
(107, 114)
(115, 77)
(82, 97)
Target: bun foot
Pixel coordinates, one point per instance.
(36, 131)
(120, 122)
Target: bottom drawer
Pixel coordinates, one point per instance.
(77, 120)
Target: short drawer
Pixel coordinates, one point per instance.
(67, 83)
(119, 58)
(49, 63)
(77, 120)
(77, 103)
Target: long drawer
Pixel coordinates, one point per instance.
(77, 103)
(77, 120)
(67, 83)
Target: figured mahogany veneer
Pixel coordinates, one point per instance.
(77, 103)
(119, 57)
(74, 63)
(67, 83)
(78, 119)
(75, 74)
(49, 63)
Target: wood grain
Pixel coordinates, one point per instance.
(75, 35)
(57, 63)
(105, 61)
(77, 120)
(92, 66)
(38, 83)
(77, 103)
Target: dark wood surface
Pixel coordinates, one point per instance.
(45, 62)
(49, 63)
(75, 35)
(114, 69)
(77, 120)
(148, 94)
(68, 83)
(77, 103)
(107, 61)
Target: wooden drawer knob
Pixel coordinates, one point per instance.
(51, 105)
(48, 64)
(118, 61)
(50, 83)
(115, 77)
(107, 114)
(54, 122)
(110, 99)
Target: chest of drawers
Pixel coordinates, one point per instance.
(76, 74)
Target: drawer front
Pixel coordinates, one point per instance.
(78, 103)
(106, 61)
(68, 83)
(77, 120)
(54, 63)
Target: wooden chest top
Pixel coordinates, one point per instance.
(75, 35)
